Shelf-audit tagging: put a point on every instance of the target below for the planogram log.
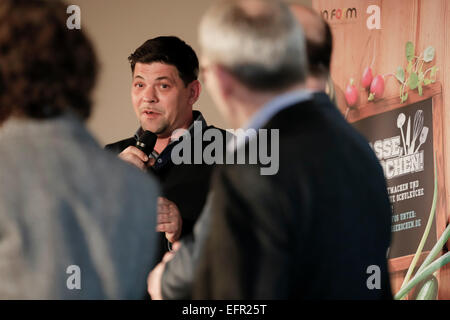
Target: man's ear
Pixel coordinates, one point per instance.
(194, 91)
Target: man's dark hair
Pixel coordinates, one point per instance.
(45, 68)
(169, 50)
(319, 52)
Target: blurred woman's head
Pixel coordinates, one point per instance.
(45, 68)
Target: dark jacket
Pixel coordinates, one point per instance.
(308, 232)
(187, 185)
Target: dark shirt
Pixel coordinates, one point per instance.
(186, 185)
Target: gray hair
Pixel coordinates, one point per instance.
(260, 42)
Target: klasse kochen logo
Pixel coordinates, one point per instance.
(401, 154)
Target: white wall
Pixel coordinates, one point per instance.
(117, 28)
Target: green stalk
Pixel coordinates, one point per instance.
(429, 289)
(426, 232)
(442, 261)
(436, 249)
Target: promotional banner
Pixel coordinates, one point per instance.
(403, 142)
(390, 71)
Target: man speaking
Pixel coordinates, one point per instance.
(163, 92)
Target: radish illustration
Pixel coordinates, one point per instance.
(376, 88)
(367, 78)
(351, 94)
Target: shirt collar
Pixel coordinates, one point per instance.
(197, 116)
(268, 111)
(165, 156)
(274, 106)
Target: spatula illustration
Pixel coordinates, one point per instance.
(400, 122)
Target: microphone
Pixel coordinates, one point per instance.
(146, 142)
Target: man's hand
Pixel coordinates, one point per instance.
(136, 157)
(169, 219)
(155, 276)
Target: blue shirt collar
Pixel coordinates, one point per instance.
(274, 106)
(268, 111)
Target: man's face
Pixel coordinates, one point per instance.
(160, 99)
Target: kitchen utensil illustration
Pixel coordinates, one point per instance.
(417, 129)
(423, 137)
(400, 121)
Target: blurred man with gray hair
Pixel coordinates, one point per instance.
(313, 229)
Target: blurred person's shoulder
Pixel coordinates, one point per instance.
(65, 150)
(126, 176)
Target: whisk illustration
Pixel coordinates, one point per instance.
(417, 129)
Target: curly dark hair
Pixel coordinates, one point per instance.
(45, 68)
(169, 50)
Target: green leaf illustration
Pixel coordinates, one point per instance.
(433, 71)
(409, 67)
(421, 76)
(400, 74)
(413, 81)
(426, 81)
(419, 87)
(428, 54)
(405, 97)
(409, 51)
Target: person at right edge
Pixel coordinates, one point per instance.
(313, 229)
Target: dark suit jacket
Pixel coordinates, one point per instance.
(308, 232)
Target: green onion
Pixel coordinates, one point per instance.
(426, 232)
(442, 261)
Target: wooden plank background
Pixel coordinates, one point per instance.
(424, 23)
